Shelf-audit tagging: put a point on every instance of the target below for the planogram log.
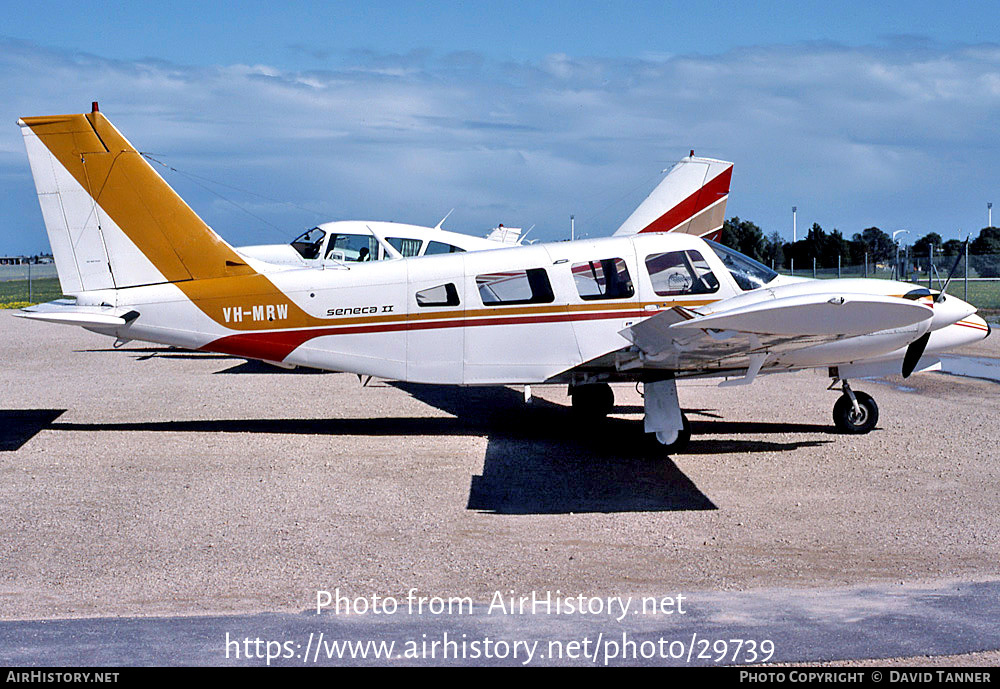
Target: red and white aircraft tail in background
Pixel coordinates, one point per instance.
(648, 306)
(690, 199)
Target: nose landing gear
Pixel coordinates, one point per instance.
(855, 412)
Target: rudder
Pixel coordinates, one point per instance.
(690, 199)
(112, 221)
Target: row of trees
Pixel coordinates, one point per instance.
(827, 247)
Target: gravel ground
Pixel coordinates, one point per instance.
(145, 481)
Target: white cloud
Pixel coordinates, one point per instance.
(900, 136)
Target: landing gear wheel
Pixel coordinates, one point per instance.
(592, 402)
(847, 420)
(654, 446)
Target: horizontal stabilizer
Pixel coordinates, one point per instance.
(67, 312)
(815, 314)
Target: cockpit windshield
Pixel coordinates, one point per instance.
(748, 273)
(309, 243)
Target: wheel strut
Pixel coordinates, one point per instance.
(846, 387)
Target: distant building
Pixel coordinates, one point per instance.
(24, 260)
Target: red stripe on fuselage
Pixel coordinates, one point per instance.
(693, 204)
(278, 344)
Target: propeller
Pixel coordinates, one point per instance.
(913, 354)
(958, 259)
(917, 347)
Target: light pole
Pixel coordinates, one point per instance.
(794, 233)
(989, 214)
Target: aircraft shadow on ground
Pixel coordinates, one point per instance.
(539, 460)
(18, 426)
(253, 366)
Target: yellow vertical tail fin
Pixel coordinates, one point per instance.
(112, 221)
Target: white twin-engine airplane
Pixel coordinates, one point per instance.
(652, 304)
(691, 199)
(360, 241)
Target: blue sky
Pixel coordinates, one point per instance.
(859, 113)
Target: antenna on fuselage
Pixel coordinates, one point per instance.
(438, 226)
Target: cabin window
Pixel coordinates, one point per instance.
(515, 287)
(308, 243)
(680, 272)
(441, 248)
(406, 247)
(748, 273)
(352, 248)
(607, 278)
(442, 295)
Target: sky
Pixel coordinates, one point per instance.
(275, 117)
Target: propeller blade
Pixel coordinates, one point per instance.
(940, 296)
(913, 354)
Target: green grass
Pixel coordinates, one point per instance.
(982, 295)
(14, 293)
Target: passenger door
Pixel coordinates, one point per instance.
(435, 338)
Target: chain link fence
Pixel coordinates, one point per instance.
(28, 283)
(976, 278)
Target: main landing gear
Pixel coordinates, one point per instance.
(655, 446)
(854, 412)
(592, 402)
(666, 428)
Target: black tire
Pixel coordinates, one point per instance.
(845, 419)
(654, 446)
(592, 402)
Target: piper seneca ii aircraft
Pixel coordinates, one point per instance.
(655, 303)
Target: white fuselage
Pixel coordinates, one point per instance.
(526, 314)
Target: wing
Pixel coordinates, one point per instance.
(745, 338)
